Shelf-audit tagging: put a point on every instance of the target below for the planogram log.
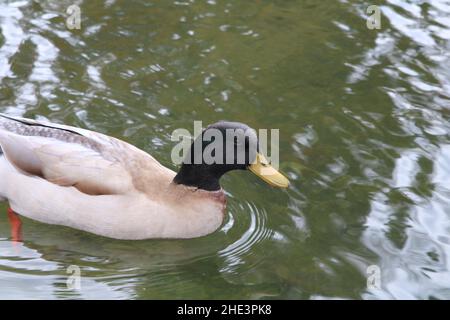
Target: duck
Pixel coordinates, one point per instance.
(85, 180)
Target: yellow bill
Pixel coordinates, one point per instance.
(262, 168)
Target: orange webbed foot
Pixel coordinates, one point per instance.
(16, 226)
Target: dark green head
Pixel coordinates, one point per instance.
(220, 148)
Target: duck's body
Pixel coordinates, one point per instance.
(78, 178)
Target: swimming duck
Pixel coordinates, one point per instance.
(86, 180)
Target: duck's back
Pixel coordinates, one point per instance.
(67, 156)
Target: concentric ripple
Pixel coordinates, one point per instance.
(255, 232)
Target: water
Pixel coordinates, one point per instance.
(364, 137)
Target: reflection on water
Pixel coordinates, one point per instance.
(364, 132)
(112, 269)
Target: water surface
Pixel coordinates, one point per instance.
(364, 138)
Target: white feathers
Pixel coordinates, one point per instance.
(86, 180)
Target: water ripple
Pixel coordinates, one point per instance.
(256, 232)
(364, 122)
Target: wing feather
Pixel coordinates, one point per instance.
(66, 163)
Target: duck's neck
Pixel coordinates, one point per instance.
(199, 176)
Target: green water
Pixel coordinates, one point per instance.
(364, 138)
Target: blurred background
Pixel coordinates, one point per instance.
(364, 138)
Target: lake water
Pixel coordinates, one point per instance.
(364, 138)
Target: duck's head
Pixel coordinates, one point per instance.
(222, 147)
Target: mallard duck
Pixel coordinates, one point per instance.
(86, 180)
